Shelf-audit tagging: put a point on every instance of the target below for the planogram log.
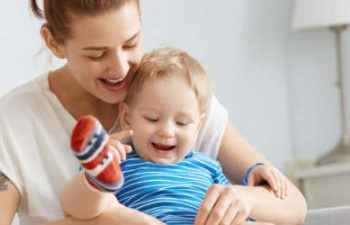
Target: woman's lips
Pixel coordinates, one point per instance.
(113, 84)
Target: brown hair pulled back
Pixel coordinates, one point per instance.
(58, 14)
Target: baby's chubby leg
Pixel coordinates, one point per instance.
(90, 192)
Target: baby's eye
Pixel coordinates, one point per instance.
(151, 119)
(181, 123)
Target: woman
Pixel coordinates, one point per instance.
(102, 44)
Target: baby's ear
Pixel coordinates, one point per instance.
(124, 116)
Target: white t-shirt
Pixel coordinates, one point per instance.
(35, 150)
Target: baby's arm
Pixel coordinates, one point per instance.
(90, 192)
(82, 202)
(114, 214)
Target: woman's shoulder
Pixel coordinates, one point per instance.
(25, 100)
(212, 130)
(24, 96)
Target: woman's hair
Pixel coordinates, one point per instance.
(168, 62)
(58, 14)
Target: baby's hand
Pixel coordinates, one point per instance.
(119, 148)
(272, 176)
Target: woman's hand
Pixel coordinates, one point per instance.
(255, 223)
(272, 176)
(224, 205)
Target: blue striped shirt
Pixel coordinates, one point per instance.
(170, 192)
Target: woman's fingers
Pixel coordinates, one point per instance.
(222, 205)
(208, 203)
(240, 217)
(284, 186)
(251, 180)
(271, 180)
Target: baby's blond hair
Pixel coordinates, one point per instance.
(167, 62)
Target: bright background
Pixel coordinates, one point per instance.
(278, 84)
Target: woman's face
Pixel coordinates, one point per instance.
(104, 51)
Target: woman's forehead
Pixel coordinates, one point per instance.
(118, 25)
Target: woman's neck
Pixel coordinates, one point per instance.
(79, 102)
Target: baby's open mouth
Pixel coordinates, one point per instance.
(163, 147)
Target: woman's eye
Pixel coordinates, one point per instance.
(130, 46)
(96, 57)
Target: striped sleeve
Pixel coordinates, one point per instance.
(219, 177)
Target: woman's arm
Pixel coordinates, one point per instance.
(9, 200)
(267, 207)
(236, 156)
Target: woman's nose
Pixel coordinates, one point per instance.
(119, 65)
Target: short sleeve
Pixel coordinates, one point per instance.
(213, 129)
(8, 160)
(220, 178)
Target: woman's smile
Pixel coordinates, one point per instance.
(114, 84)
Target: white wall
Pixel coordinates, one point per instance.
(19, 43)
(276, 83)
(242, 44)
(314, 96)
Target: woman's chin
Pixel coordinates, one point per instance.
(114, 99)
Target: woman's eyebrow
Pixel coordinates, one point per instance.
(96, 48)
(134, 36)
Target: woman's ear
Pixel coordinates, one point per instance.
(56, 48)
(124, 116)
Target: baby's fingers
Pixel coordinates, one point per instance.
(127, 148)
(120, 149)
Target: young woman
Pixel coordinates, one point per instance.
(102, 44)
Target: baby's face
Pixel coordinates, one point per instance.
(165, 118)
